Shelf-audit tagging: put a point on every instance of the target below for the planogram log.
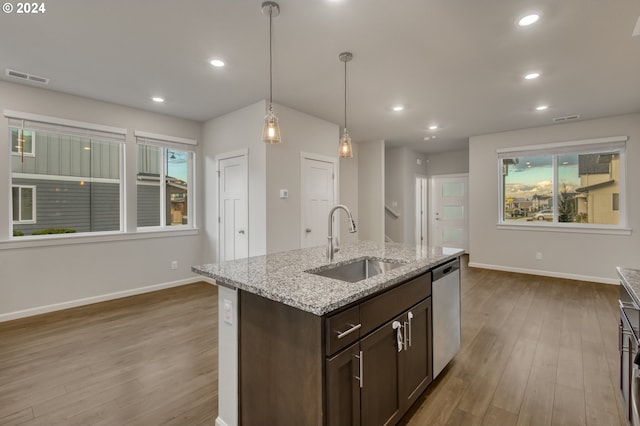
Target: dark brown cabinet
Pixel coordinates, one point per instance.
(375, 381)
(365, 364)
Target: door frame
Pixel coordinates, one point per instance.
(218, 158)
(430, 204)
(336, 185)
(425, 218)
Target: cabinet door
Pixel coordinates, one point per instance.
(416, 369)
(343, 388)
(380, 397)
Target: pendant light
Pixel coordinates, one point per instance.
(345, 149)
(271, 129)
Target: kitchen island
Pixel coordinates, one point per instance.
(283, 328)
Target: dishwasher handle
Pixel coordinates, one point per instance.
(446, 269)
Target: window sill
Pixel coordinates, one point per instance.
(573, 229)
(96, 237)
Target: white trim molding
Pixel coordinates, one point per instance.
(94, 299)
(543, 273)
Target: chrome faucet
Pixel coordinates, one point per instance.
(352, 228)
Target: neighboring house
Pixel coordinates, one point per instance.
(541, 202)
(61, 181)
(598, 194)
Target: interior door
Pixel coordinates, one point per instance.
(232, 205)
(449, 211)
(317, 198)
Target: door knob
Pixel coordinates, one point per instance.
(308, 230)
(241, 231)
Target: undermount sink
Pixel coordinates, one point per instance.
(358, 270)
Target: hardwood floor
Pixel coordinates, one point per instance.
(535, 351)
(143, 360)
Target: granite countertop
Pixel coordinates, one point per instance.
(630, 278)
(283, 277)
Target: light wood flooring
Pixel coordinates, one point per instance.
(143, 360)
(535, 351)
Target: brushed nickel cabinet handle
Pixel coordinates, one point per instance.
(361, 377)
(353, 328)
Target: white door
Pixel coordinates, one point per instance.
(232, 208)
(318, 196)
(421, 211)
(449, 211)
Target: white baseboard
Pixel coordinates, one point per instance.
(94, 299)
(543, 273)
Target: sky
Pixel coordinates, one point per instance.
(534, 175)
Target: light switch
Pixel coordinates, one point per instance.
(284, 193)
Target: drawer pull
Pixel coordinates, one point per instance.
(349, 331)
(360, 362)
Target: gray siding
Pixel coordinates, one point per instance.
(148, 205)
(64, 155)
(90, 207)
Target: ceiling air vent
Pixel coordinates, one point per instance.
(25, 76)
(566, 118)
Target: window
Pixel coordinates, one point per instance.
(23, 203)
(22, 142)
(577, 184)
(165, 181)
(74, 175)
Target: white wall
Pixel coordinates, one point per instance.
(371, 191)
(241, 129)
(40, 279)
(349, 193)
(573, 255)
(401, 169)
(448, 163)
(394, 183)
(274, 223)
(300, 133)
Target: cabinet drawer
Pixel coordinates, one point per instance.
(342, 329)
(386, 306)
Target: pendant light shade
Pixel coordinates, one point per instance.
(271, 129)
(345, 149)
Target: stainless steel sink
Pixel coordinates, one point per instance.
(358, 270)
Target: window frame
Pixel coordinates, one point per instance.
(71, 128)
(31, 153)
(33, 205)
(614, 143)
(167, 143)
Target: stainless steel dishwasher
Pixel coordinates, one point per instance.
(445, 296)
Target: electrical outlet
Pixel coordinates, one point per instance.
(174, 264)
(538, 255)
(228, 311)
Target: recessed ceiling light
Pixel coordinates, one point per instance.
(542, 107)
(398, 108)
(157, 99)
(434, 127)
(528, 20)
(217, 63)
(532, 76)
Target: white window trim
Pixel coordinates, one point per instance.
(166, 143)
(43, 123)
(617, 143)
(33, 205)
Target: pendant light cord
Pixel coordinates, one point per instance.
(345, 95)
(270, 57)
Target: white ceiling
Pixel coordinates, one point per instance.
(457, 63)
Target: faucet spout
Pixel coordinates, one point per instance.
(352, 228)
